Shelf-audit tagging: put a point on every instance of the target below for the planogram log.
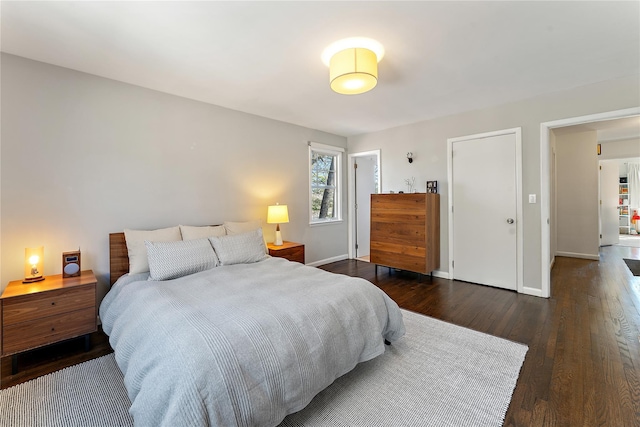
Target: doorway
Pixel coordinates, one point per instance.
(485, 209)
(364, 180)
(546, 183)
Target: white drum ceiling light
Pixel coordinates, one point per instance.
(353, 64)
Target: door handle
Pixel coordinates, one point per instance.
(510, 221)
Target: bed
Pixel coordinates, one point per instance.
(239, 344)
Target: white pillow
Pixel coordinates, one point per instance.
(190, 233)
(245, 227)
(138, 262)
(241, 227)
(241, 248)
(170, 260)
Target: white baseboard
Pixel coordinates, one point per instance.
(441, 274)
(531, 291)
(595, 257)
(328, 260)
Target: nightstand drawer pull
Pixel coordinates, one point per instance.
(53, 303)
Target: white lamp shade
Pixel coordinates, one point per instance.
(353, 71)
(277, 214)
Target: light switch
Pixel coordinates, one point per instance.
(532, 198)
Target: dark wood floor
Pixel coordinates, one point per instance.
(583, 363)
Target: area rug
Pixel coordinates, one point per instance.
(90, 394)
(634, 266)
(439, 374)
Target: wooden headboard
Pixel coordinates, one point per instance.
(118, 257)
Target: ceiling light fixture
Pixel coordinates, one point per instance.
(353, 64)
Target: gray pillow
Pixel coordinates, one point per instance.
(243, 248)
(170, 260)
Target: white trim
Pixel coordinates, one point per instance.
(520, 288)
(327, 260)
(351, 193)
(317, 146)
(545, 194)
(327, 222)
(578, 255)
(531, 291)
(440, 274)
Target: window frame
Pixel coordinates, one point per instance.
(338, 152)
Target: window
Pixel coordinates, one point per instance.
(325, 180)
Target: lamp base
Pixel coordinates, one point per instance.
(33, 279)
(278, 241)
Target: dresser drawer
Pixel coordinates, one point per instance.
(288, 250)
(38, 332)
(293, 254)
(35, 306)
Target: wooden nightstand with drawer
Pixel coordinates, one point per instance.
(289, 250)
(47, 312)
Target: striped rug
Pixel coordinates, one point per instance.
(90, 394)
(439, 374)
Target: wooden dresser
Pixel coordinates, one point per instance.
(46, 312)
(405, 231)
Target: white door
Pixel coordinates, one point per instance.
(365, 185)
(609, 176)
(485, 210)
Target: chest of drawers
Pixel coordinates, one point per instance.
(289, 250)
(55, 309)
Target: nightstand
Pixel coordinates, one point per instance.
(41, 313)
(289, 250)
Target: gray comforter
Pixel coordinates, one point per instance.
(241, 344)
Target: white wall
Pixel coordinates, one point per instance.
(83, 156)
(620, 149)
(428, 142)
(577, 195)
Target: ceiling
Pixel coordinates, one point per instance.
(263, 57)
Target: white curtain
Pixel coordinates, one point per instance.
(633, 174)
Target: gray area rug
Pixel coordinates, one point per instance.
(634, 266)
(90, 394)
(439, 374)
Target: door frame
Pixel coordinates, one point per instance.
(600, 226)
(546, 261)
(517, 132)
(351, 191)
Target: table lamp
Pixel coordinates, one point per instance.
(33, 264)
(277, 214)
